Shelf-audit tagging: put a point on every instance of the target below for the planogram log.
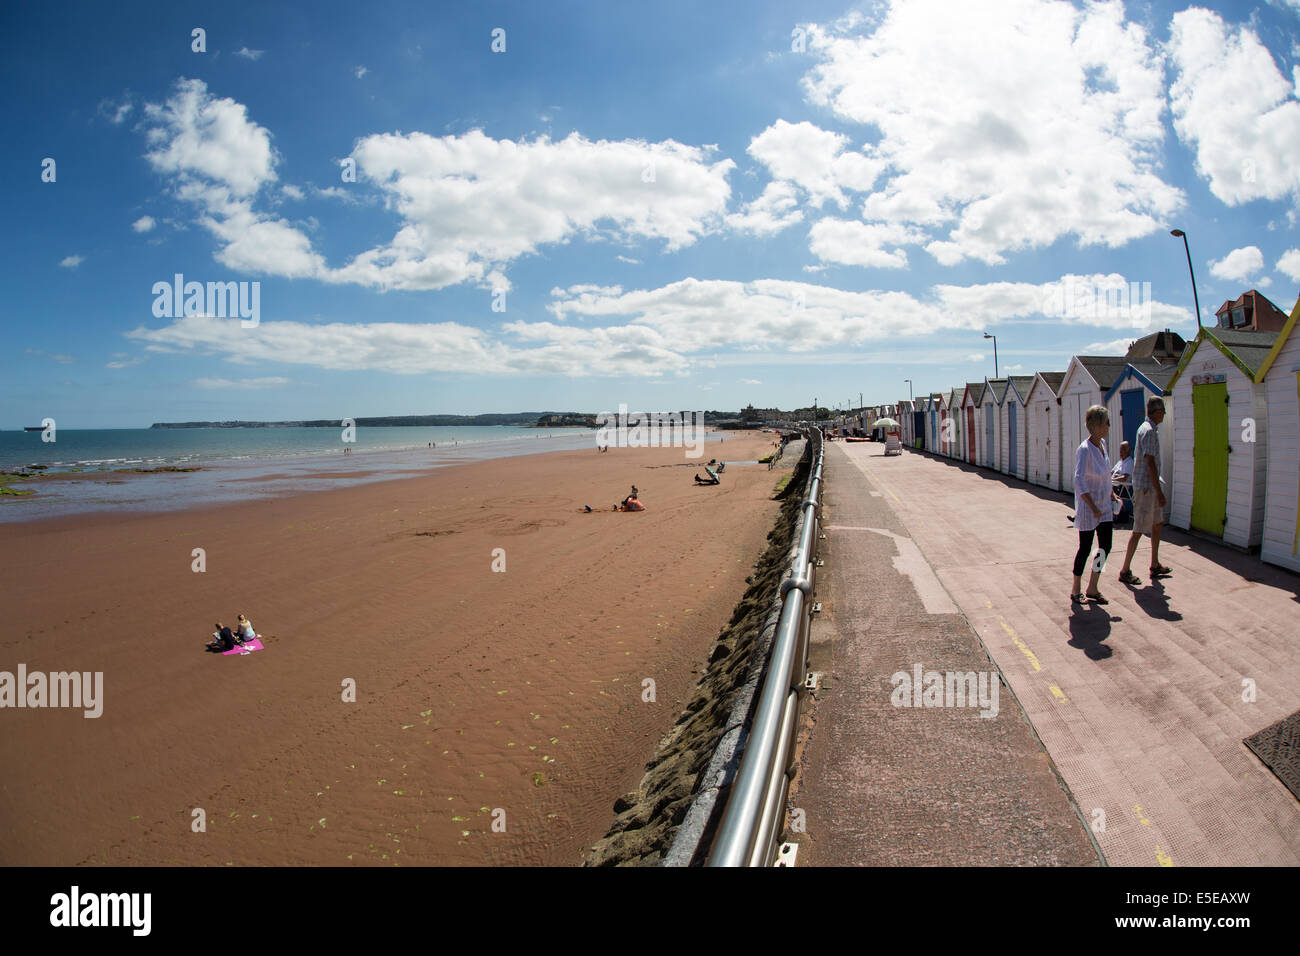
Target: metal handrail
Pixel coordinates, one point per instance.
(750, 825)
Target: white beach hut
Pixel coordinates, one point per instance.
(905, 422)
(1221, 436)
(1011, 426)
(1087, 379)
(971, 415)
(990, 438)
(1280, 543)
(1043, 430)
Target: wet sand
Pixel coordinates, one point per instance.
(481, 696)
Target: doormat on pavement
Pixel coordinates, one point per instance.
(1279, 747)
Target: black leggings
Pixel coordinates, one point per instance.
(1085, 545)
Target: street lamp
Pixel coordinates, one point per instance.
(995, 352)
(1179, 234)
(909, 388)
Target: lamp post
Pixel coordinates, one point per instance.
(1179, 234)
(909, 388)
(995, 352)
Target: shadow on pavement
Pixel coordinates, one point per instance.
(1155, 601)
(1089, 628)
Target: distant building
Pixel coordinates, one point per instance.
(1251, 311)
(1164, 347)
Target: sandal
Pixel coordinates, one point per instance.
(1076, 598)
(1161, 571)
(1097, 599)
(1128, 577)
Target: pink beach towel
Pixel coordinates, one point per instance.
(254, 645)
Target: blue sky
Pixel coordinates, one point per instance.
(685, 206)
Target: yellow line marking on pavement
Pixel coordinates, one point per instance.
(1057, 693)
(1141, 819)
(1164, 859)
(1033, 659)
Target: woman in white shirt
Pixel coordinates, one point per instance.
(1093, 496)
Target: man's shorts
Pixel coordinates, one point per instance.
(1147, 513)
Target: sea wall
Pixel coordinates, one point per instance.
(670, 818)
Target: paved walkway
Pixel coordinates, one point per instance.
(1139, 704)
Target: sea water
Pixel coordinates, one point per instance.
(237, 464)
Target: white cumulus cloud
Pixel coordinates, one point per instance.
(1239, 264)
(1289, 264)
(143, 224)
(1234, 106)
(1001, 125)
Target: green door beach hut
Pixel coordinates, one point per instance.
(1220, 435)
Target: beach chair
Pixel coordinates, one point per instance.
(892, 445)
(712, 474)
(1125, 491)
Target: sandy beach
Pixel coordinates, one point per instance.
(481, 695)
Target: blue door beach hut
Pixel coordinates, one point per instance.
(1126, 400)
(1011, 425)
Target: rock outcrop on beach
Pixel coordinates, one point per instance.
(648, 818)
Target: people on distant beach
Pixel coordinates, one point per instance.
(1093, 502)
(244, 630)
(1148, 497)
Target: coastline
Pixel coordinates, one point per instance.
(460, 671)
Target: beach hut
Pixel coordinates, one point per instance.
(947, 425)
(1087, 380)
(1220, 435)
(1011, 426)
(957, 415)
(936, 401)
(990, 438)
(1043, 430)
(1126, 400)
(905, 422)
(971, 415)
(921, 422)
(1280, 543)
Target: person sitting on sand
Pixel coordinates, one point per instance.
(244, 630)
(629, 498)
(223, 639)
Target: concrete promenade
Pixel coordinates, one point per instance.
(1138, 704)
